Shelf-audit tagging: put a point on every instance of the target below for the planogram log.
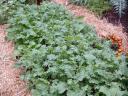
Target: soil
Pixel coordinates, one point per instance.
(112, 17)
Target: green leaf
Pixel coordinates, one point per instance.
(35, 92)
(62, 87)
(112, 91)
(79, 27)
(51, 57)
(80, 18)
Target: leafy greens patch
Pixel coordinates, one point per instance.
(63, 56)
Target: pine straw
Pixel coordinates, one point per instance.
(10, 83)
(102, 27)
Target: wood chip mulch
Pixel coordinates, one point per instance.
(10, 83)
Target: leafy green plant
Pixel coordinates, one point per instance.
(7, 7)
(62, 56)
(97, 6)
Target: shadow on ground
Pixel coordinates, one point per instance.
(113, 17)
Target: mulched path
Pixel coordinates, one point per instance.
(10, 84)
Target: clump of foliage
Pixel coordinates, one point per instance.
(97, 6)
(7, 7)
(3, 9)
(63, 56)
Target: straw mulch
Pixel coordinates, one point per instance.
(10, 83)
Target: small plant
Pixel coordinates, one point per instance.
(97, 6)
(116, 42)
(63, 56)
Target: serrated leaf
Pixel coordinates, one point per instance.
(61, 87)
(35, 92)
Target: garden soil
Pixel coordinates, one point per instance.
(10, 83)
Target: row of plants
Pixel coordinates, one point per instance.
(96, 6)
(7, 6)
(100, 6)
(62, 56)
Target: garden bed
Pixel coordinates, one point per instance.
(103, 27)
(66, 82)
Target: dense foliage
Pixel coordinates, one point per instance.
(97, 6)
(7, 7)
(62, 56)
